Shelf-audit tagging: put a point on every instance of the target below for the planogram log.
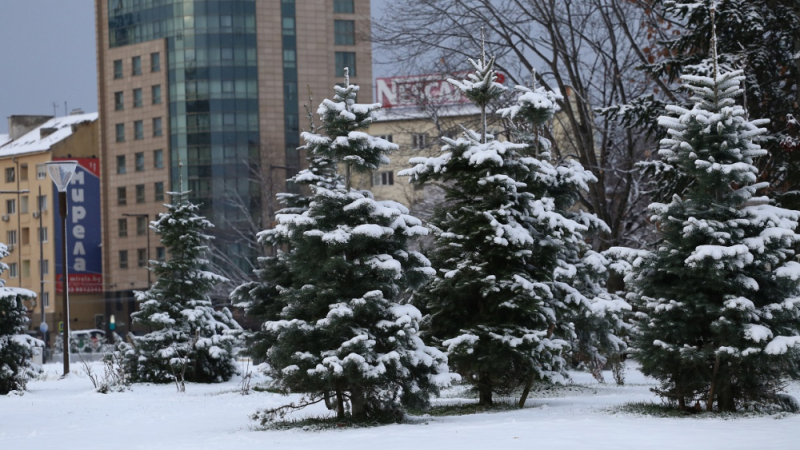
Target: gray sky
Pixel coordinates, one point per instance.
(47, 55)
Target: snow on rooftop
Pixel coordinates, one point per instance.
(409, 113)
(33, 141)
(4, 139)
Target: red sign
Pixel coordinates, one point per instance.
(415, 90)
(81, 284)
(418, 89)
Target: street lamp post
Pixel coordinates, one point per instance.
(61, 173)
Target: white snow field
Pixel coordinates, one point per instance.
(68, 414)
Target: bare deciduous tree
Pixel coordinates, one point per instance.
(588, 50)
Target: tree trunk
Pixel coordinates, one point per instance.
(525, 392)
(339, 405)
(357, 403)
(484, 389)
(710, 402)
(679, 394)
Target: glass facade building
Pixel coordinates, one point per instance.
(212, 93)
(208, 96)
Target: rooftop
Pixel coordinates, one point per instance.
(44, 136)
(415, 113)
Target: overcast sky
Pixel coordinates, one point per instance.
(47, 55)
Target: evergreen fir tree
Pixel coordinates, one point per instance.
(718, 299)
(16, 347)
(190, 339)
(337, 332)
(259, 298)
(593, 317)
(494, 303)
(759, 37)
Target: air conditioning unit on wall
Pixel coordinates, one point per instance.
(36, 214)
(6, 218)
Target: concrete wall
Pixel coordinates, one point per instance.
(19, 125)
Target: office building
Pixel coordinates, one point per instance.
(208, 96)
(30, 225)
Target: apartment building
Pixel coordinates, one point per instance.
(207, 96)
(30, 225)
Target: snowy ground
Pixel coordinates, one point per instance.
(69, 414)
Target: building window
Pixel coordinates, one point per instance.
(46, 299)
(43, 234)
(141, 225)
(345, 59)
(157, 130)
(138, 130)
(344, 32)
(289, 59)
(12, 270)
(45, 267)
(26, 268)
(121, 164)
(156, 91)
(120, 132)
(419, 140)
(122, 196)
(158, 159)
(227, 86)
(141, 257)
(288, 26)
(383, 178)
(161, 254)
(42, 202)
(136, 64)
(41, 171)
(155, 62)
(226, 53)
(11, 237)
(225, 21)
(11, 206)
(387, 137)
(139, 193)
(122, 224)
(123, 259)
(23, 204)
(229, 119)
(119, 101)
(159, 186)
(139, 158)
(118, 69)
(25, 236)
(10, 175)
(137, 98)
(23, 172)
(343, 6)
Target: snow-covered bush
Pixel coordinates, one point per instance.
(16, 347)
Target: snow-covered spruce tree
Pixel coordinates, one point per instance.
(259, 298)
(492, 304)
(593, 317)
(340, 335)
(16, 347)
(720, 313)
(190, 340)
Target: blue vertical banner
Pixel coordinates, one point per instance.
(84, 252)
